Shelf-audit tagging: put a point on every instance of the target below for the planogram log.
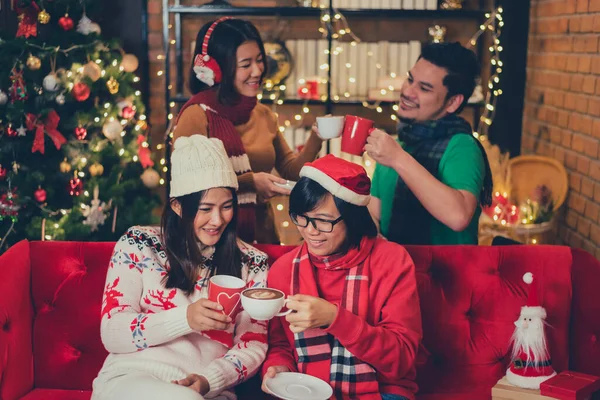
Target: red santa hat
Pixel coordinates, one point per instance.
(527, 371)
(343, 179)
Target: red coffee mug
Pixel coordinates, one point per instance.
(227, 291)
(355, 134)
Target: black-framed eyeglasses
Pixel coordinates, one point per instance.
(322, 225)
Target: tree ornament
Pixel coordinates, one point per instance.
(75, 185)
(27, 25)
(43, 17)
(150, 178)
(3, 98)
(96, 169)
(33, 63)
(95, 213)
(65, 167)
(81, 91)
(83, 26)
(8, 206)
(126, 109)
(22, 131)
(112, 130)
(40, 195)
(92, 71)
(143, 125)
(18, 91)
(80, 132)
(60, 99)
(11, 132)
(15, 167)
(130, 63)
(51, 82)
(66, 23)
(113, 85)
(3, 172)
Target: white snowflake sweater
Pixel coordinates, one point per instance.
(144, 325)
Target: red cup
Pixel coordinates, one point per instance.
(355, 134)
(227, 291)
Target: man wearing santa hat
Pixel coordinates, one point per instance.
(531, 364)
(356, 322)
(428, 185)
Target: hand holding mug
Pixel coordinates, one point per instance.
(271, 373)
(383, 148)
(206, 315)
(310, 312)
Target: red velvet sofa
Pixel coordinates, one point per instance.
(50, 295)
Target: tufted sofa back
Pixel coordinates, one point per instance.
(470, 296)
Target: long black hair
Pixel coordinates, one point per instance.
(227, 36)
(308, 195)
(183, 249)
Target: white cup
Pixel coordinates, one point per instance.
(330, 126)
(264, 309)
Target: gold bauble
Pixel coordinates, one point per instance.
(92, 71)
(43, 17)
(112, 85)
(33, 63)
(142, 124)
(65, 167)
(129, 63)
(96, 169)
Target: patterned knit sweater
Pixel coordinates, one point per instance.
(144, 326)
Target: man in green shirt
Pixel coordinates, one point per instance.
(428, 185)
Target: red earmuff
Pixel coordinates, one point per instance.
(206, 68)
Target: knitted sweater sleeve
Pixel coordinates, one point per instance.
(125, 327)
(249, 349)
(193, 121)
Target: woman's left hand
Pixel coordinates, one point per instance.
(310, 312)
(195, 382)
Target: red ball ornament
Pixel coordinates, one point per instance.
(81, 91)
(128, 112)
(75, 186)
(66, 23)
(40, 195)
(80, 132)
(3, 172)
(11, 132)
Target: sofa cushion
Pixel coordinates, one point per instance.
(67, 283)
(57, 394)
(585, 327)
(16, 315)
(470, 298)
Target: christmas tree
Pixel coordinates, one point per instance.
(75, 162)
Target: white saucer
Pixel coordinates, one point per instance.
(296, 386)
(287, 185)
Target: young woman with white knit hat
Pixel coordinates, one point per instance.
(165, 338)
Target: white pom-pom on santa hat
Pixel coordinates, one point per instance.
(528, 278)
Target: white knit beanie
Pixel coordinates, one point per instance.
(200, 163)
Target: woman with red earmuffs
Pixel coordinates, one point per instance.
(226, 76)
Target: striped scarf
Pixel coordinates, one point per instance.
(222, 120)
(319, 352)
(410, 222)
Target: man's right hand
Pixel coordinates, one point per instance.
(271, 373)
(206, 315)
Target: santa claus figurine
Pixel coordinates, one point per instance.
(531, 363)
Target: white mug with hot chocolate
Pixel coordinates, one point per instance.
(262, 304)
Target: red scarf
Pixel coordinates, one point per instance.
(319, 352)
(222, 120)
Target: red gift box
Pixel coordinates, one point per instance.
(570, 385)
